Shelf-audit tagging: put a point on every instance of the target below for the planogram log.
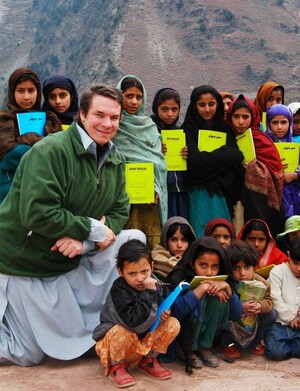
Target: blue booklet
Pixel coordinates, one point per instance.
(32, 122)
(166, 304)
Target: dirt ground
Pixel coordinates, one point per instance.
(250, 373)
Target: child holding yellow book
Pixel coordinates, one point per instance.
(263, 185)
(280, 129)
(254, 291)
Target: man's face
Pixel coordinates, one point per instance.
(102, 120)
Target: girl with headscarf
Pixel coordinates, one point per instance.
(176, 236)
(24, 95)
(216, 177)
(268, 94)
(227, 99)
(256, 232)
(222, 230)
(212, 303)
(262, 190)
(280, 129)
(60, 97)
(139, 141)
(295, 109)
(166, 107)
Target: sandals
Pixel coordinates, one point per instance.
(119, 374)
(153, 369)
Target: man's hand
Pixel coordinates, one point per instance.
(69, 247)
(110, 237)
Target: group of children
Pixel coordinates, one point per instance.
(213, 319)
(189, 225)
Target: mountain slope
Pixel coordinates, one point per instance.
(234, 45)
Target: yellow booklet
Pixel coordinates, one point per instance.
(250, 290)
(290, 153)
(175, 141)
(264, 271)
(264, 121)
(209, 140)
(140, 182)
(198, 279)
(246, 145)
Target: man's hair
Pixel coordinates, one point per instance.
(102, 90)
(132, 251)
(295, 249)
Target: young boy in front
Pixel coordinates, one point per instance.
(282, 341)
(123, 337)
(243, 259)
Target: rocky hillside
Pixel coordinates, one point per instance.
(234, 45)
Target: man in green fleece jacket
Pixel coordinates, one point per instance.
(60, 229)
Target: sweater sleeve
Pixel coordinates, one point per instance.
(184, 304)
(235, 307)
(43, 212)
(135, 308)
(285, 311)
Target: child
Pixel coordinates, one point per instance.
(139, 141)
(262, 191)
(282, 341)
(176, 236)
(123, 337)
(268, 94)
(291, 231)
(222, 230)
(295, 109)
(60, 96)
(243, 259)
(215, 300)
(166, 107)
(256, 232)
(24, 94)
(280, 129)
(227, 98)
(215, 177)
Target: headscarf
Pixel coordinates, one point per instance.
(193, 121)
(263, 95)
(279, 110)
(184, 270)
(14, 81)
(265, 150)
(264, 174)
(139, 141)
(271, 254)
(9, 131)
(173, 220)
(225, 94)
(212, 224)
(65, 83)
(155, 116)
(294, 107)
(219, 171)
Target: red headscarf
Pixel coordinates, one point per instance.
(265, 150)
(212, 224)
(264, 174)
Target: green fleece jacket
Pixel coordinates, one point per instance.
(55, 190)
